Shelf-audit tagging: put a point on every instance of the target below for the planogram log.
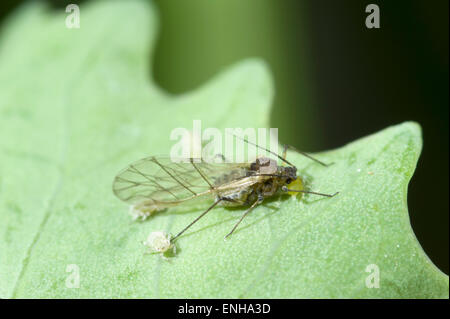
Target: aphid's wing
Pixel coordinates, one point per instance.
(165, 182)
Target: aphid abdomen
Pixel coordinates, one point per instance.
(229, 177)
(235, 198)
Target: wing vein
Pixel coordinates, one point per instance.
(165, 170)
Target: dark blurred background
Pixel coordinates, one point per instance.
(335, 80)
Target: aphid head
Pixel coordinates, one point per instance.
(289, 173)
(292, 183)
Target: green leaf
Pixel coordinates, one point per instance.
(77, 105)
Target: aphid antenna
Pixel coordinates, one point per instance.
(308, 192)
(286, 146)
(265, 149)
(281, 157)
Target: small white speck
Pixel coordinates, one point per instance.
(142, 210)
(398, 246)
(159, 242)
(358, 170)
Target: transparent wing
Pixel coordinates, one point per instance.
(167, 183)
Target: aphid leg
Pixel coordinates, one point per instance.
(258, 201)
(285, 189)
(286, 147)
(195, 220)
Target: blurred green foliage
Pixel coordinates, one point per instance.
(197, 39)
